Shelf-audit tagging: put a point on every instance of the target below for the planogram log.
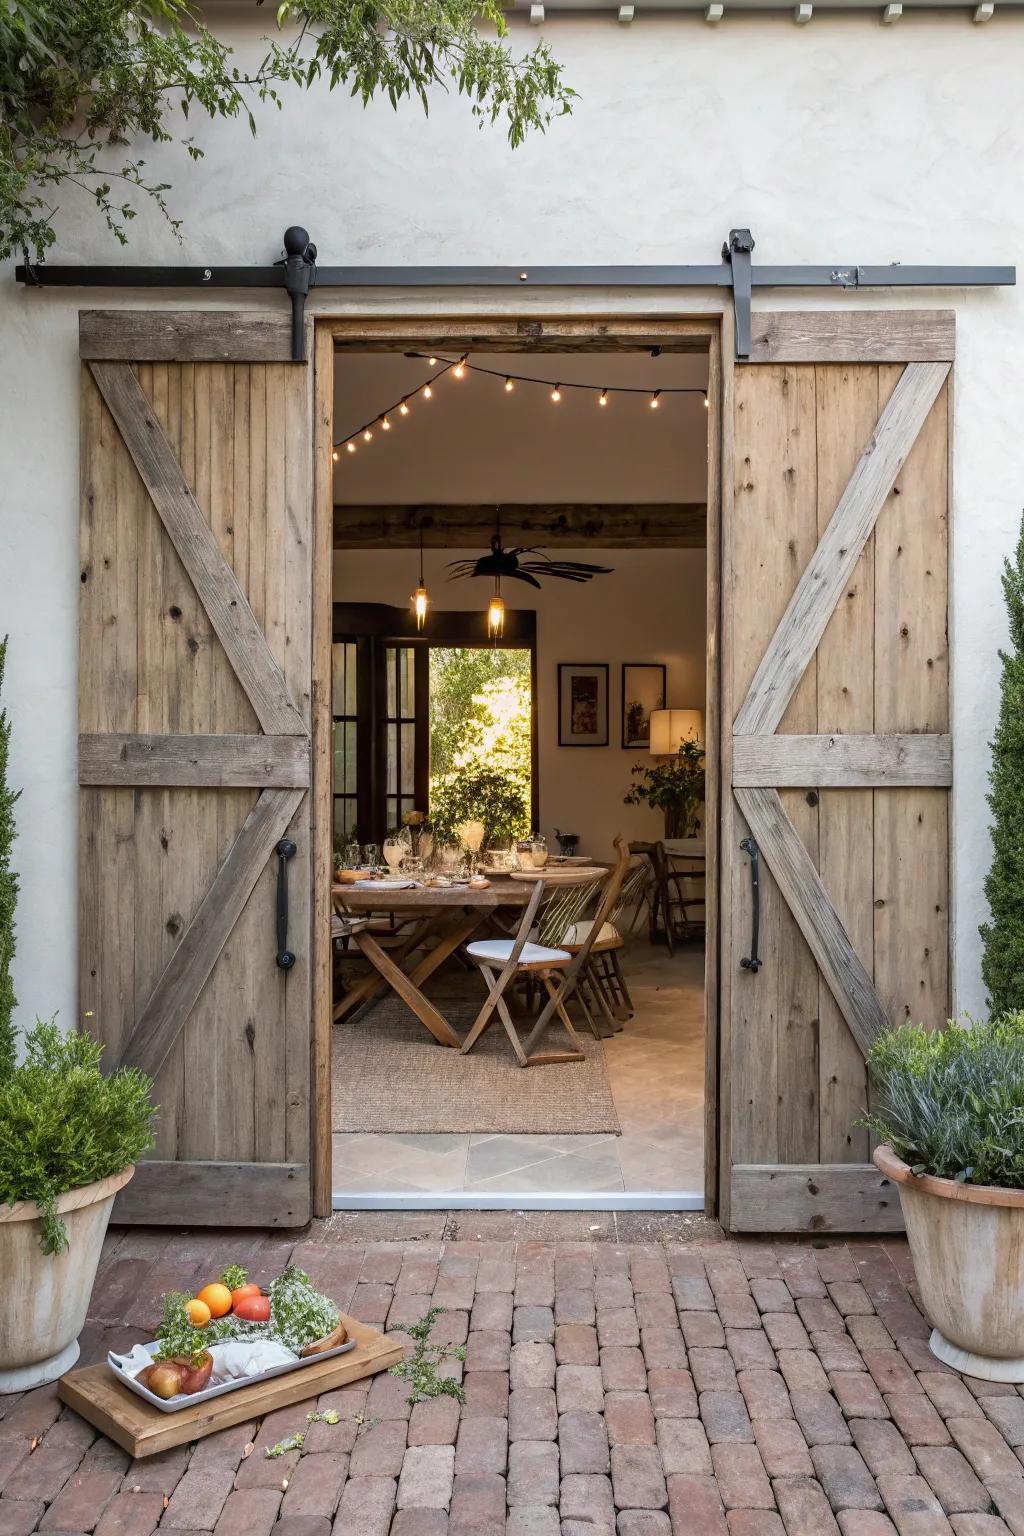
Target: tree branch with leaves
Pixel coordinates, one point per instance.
(82, 82)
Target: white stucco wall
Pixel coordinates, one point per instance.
(842, 141)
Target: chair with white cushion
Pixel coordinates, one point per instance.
(604, 971)
(502, 961)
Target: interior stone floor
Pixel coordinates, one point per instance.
(655, 1067)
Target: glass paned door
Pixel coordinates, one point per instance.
(344, 709)
(400, 719)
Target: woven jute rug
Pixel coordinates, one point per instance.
(388, 1074)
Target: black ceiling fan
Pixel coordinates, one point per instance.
(501, 563)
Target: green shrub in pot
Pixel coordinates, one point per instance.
(949, 1105)
(951, 1102)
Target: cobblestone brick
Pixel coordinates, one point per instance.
(533, 1472)
(131, 1514)
(657, 1309)
(984, 1448)
(576, 1344)
(623, 1369)
(366, 1507)
(643, 1522)
(742, 1482)
(533, 1520)
(820, 1418)
(314, 1488)
(495, 1275)
(749, 1349)
(712, 1370)
(580, 1387)
(949, 1396)
(587, 1497)
(197, 1501)
(684, 1447)
(916, 1419)
(882, 1446)
(804, 1508)
(765, 1395)
(673, 1395)
(532, 1365)
(837, 1352)
(420, 1522)
(869, 1333)
(574, 1306)
(844, 1476)
(477, 1508)
(83, 1498)
(619, 1326)
(533, 1324)
(388, 1398)
(613, 1291)
(629, 1418)
(857, 1395)
(695, 1507)
(914, 1509)
(784, 1330)
(482, 1447)
(951, 1479)
(692, 1293)
(533, 1413)
(890, 1371)
(738, 1311)
(725, 1417)
(379, 1450)
(582, 1443)
(487, 1349)
(638, 1481)
(1007, 1414)
(802, 1370)
(783, 1448)
(702, 1330)
(434, 1422)
(428, 1472)
(772, 1295)
(979, 1525)
(20, 1516)
(663, 1349)
(865, 1522)
(486, 1394)
(818, 1315)
(249, 1512)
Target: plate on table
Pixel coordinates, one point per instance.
(384, 885)
(569, 858)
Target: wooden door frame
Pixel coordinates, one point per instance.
(709, 333)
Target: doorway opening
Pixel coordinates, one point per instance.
(542, 722)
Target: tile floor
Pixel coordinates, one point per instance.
(656, 1070)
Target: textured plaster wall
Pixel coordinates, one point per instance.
(841, 141)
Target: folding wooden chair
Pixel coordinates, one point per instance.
(556, 968)
(604, 971)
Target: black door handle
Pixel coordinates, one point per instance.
(285, 850)
(752, 962)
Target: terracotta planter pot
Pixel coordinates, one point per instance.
(47, 1295)
(967, 1243)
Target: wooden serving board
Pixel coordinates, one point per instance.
(142, 1430)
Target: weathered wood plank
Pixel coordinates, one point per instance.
(223, 762)
(820, 1197)
(669, 525)
(795, 640)
(196, 544)
(857, 761)
(190, 965)
(321, 810)
(215, 1194)
(819, 922)
(184, 336)
(853, 336)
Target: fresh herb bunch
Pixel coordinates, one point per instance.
(298, 1313)
(178, 1338)
(420, 1369)
(951, 1102)
(63, 1124)
(234, 1276)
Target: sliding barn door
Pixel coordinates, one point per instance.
(837, 766)
(194, 756)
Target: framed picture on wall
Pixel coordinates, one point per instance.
(582, 704)
(643, 691)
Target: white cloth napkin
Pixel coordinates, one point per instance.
(233, 1359)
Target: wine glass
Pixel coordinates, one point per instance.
(371, 857)
(395, 850)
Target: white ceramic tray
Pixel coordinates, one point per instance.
(186, 1399)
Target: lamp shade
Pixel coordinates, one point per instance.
(671, 727)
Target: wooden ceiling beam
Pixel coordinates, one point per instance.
(610, 525)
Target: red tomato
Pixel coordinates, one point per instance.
(240, 1292)
(254, 1309)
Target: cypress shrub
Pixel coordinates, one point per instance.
(8, 889)
(1003, 937)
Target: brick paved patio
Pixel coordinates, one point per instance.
(613, 1389)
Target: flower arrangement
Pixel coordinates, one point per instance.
(675, 787)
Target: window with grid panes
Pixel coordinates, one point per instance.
(346, 729)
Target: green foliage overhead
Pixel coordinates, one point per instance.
(1002, 963)
(83, 82)
(63, 1124)
(480, 725)
(8, 889)
(951, 1102)
(675, 787)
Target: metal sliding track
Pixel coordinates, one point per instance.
(297, 273)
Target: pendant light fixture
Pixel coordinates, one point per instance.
(421, 598)
(496, 613)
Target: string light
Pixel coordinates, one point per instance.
(421, 598)
(460, 366)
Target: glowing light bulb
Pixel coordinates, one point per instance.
(706, 406)
(556, 393)
(509, 386)
(654, 399)
(420, 601)
(334, 455)
(427, 392)
(385, 425)
(496, 617)
(403, 409)
(603, 397)
(367, 434)
(460, 368)
(351, 447)
(432, 361)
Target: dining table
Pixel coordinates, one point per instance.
(441, 917)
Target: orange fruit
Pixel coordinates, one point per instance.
(241, 1291)
(198, 1312)
(217, 1297)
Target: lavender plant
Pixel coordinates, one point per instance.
(951, 1102)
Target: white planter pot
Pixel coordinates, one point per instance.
(46, 1296)
(967, 1243)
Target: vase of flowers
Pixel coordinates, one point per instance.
(675, 787)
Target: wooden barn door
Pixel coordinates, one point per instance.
(194, 755)
(835, 684)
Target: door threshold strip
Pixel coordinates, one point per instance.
(463, 1201)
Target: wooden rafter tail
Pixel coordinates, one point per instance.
(215, 582)
(189, 967)
(818, 920)
(807, 615)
